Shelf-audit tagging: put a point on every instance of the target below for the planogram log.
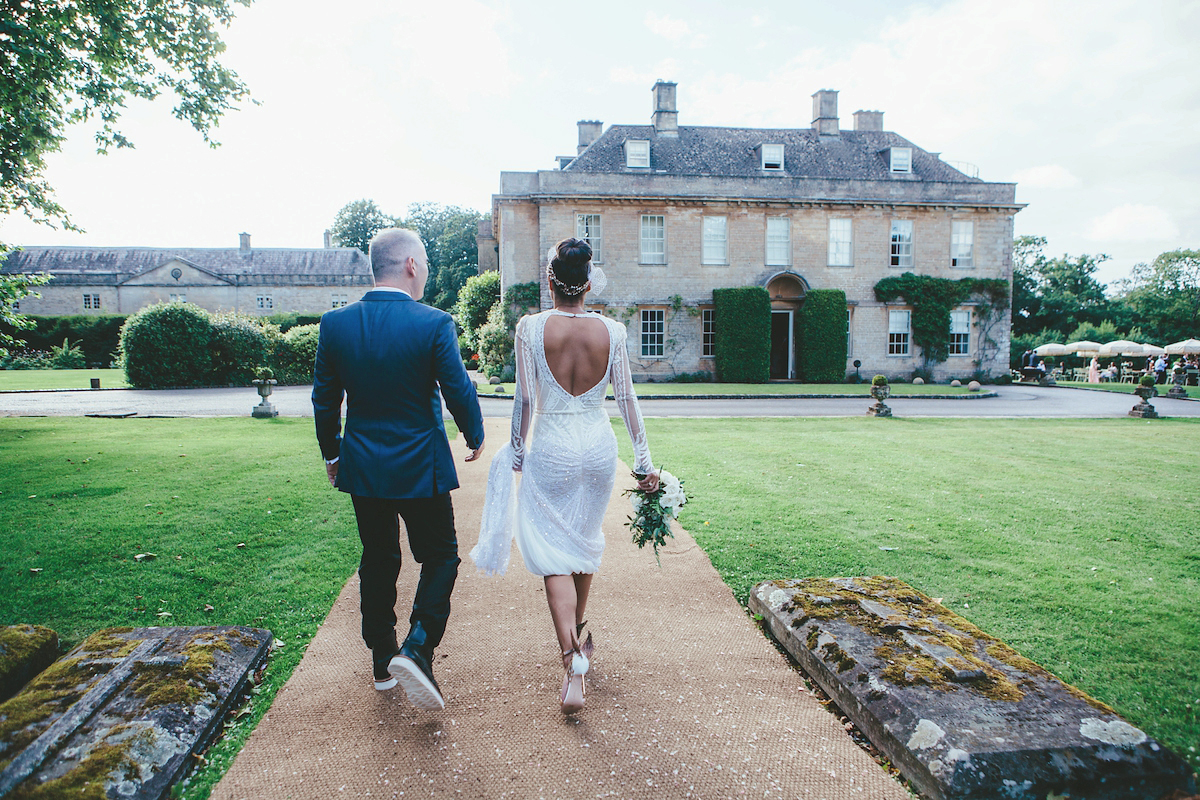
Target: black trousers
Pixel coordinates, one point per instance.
(430, 525)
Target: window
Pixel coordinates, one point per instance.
(91, 301)
(779, 241)
(715, 249)
(849, 325)
(338, 300)
(962, 243)
(902, 243)
(637, 153)
(901, 159)
(709, 347)
(653, 330)
(179, 298)
(839, 243)
(898, 332)
(772, 156)
(960, 333)
(264, 301)
(587, 227)
(654, 239)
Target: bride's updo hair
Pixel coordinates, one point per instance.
(568, 267)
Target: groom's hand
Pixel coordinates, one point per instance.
(331, 471)
(474, 454)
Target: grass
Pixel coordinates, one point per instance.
(721, 389)
(1075, 541)
(23, 380)
(1127, 388)
(238, 512)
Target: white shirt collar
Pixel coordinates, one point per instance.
(392, 289)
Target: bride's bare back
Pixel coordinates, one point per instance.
(576, 351)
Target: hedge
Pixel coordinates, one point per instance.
(286, 320)
(475, 300)
(822, 339)
(167, 344)
(97, 335)
(296, 353)
(742, 334)
(241, 346)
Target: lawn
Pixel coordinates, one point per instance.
(722, 389)
(16, 380)
(1076, 541)
(238, 513)
(1127, 388)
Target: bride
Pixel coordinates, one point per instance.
(564, 447)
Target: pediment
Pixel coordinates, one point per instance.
(177, 272)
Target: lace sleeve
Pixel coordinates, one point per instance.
(622, 383)
(523, 396)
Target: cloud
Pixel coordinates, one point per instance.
(1133, 223)
(667, 27)
(1047, 176)
(666, 70)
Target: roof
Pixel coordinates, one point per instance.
(230, 262)
(731, 152)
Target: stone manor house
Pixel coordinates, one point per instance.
(673, 212)
(122, 280)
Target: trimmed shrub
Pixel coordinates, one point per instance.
(167, 344)
(97, 336)
(295, 355)
(286, 320)
(742, 318)
(241, 345)
(822, 341)
(475, 300)
(27, 359)
(67, 356)
(495, 342)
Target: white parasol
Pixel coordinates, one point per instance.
(1122, 347)
(1084, 348)
(1186, 347)
(1050, 349)
(1152, 350)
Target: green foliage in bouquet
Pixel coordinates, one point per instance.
(653, 511)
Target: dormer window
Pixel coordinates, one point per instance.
(901, 159)
(637, 152)
(772, 156)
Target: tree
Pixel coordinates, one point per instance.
(74, 60)
(357, 222)
(12, 289)
(1055, 293)
(449, 236)
(1165, 295)
(476, 299)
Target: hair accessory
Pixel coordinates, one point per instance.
(569, 291)
(597, 278)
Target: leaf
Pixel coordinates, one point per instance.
(241, 544)
(164, 614)
(208, 607)
(145, 556)
(278, 644)
(35, 570)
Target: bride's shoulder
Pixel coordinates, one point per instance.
(615, 328)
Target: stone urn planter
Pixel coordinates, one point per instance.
(1178, 377)
(264, 409)
(1143, 407)
(880, 391)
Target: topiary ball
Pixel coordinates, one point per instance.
(956, 382)
(918, 381)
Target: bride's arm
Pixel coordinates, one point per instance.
(622, 383)
(523, 396)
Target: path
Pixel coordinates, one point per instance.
(686, 697)
(295, 401)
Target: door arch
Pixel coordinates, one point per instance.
(787, 291)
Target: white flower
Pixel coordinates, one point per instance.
(669, 482)
(637, 501)
(673, 497)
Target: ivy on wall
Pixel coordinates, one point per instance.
(742, 334)
(822, 350)
(932, 299)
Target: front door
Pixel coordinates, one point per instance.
(781, 345)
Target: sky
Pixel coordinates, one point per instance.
(1092, 108)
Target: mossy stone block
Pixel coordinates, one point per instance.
(960, 713)
(25, 650)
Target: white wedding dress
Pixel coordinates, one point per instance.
(566, 452)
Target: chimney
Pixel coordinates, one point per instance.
(825, 118)
(589, 131)
(328, 239)
(868, 120)
(244, 243)
(665, 116)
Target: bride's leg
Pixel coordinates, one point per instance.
(583, 585)
(561, 595)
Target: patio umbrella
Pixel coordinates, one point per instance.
(1186, 347)
(1084, 348)
(1152, 350)
(1050, 349)
(1122, 347)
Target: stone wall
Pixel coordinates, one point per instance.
(59, 300)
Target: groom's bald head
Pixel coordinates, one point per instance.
(398, 259)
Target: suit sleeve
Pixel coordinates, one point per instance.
(459, 394)
(327, 400)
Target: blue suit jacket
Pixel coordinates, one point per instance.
(389, 355)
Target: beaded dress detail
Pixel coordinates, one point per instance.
(565, 450)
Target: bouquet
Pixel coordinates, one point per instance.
(653, 511)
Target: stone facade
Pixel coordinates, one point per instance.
(257, 282)
(826, 184)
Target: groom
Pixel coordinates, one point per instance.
(389, 355)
